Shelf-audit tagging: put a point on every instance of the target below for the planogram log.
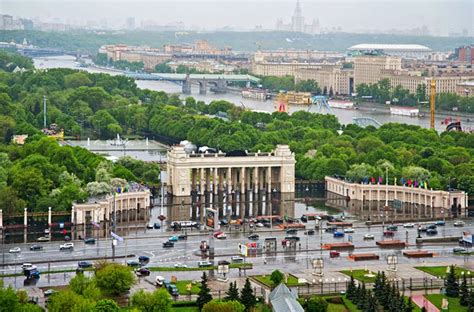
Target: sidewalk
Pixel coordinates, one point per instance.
(421, 302)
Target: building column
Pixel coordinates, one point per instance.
(216, 181)
(201, 186)
(229, 180)
(242, 180)
(25, 217)
(49, 216)
(269, 179)
(255, 179)
(261, 185)
(208, 172)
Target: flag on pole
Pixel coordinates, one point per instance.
(394, 181)
(119, 238)
(409, 182)
(380, 180)
(403, 181)
(373, 180)
(426, 185)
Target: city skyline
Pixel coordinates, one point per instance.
(438, 18)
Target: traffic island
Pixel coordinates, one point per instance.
(264, 280)
(364, 257)
(418, 254)
(392, 243)
(338, 246)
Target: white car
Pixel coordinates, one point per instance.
(409, 225)
(43, 239)
(221, 236)
(180, 265)
(259, 224)
(66, 246)
(159, 280)
(28, 266)
(459, 223)
(15, 250)
(369, 236)
(349, 230)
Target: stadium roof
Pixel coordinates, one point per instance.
(390, 47)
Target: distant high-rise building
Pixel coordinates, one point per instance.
(130, 24)
(297, 23)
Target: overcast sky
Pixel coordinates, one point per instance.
(440, 16)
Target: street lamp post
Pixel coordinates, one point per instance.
(386, 186)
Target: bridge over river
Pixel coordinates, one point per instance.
(218, 82)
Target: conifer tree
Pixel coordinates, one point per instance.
(452, 286)
(351, 289)
(247, 297)
(204, 295)
(362, 297)
(464, 292)
(232, 293)
(409, 305)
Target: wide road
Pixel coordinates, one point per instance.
(187, 252)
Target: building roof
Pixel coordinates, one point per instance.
(284, 300)
(390, 47)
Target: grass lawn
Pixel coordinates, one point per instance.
(265, 279)
(440, 271)
(182, 287)
(350, 306)
(454, 304)
(332, 307)
(360, 275)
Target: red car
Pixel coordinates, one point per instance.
(334, 254)
(388, 233)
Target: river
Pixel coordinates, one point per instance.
(345, 116)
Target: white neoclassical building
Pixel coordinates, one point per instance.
(127, 207)
(412, 195)
(231, 172)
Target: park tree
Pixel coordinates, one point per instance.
(247, 297)
(233, 292)
(452, 286)
(76, 80)
(106, 305)
(159, 301)
(69, 301)
(316, 304)
(371, 304)
(204, 295)
(114, 278)
(464, 292)
(223, 306)
(85, 286)
(276, 277)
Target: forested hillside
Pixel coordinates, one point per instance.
(100, 106)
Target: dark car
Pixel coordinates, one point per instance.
(133, 263)
(36, 247)
(168, 244)
(156, 226)
(431, 226)
(143, 258)
(432, 231)
(309, 232)
(440, 223)
(182, 237)
(173, 290)
(89, 241)
(330, 229)
(253, 236)
(294, 238)
(392, 228)
(67, 238)
(292, 231)
(143, 272)
(84, 264)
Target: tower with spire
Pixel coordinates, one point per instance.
(297, 23)
(297, 20)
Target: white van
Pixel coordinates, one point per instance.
(159, 280)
